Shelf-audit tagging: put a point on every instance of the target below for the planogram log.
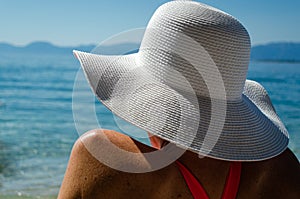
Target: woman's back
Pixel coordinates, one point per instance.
(87, 177)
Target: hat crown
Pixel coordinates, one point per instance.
(190, 37)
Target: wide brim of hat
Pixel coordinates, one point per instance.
(251, 129)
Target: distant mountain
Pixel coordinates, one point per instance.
(48, 48)
(40, 48)
(44, 53)
(282, 52)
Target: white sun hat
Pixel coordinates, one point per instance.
(187, 84)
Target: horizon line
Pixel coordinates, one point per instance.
(94, 44)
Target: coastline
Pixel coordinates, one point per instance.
(276, 61)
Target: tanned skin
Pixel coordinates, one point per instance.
(86, 177)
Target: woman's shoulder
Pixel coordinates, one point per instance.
(110, 150)
(278, 177)
(110, 140)
(103, 163)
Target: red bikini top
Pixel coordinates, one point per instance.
(231, 186)
(232, 181)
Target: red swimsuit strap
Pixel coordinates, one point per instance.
(195, 187)
(231, 186)
(233, 181)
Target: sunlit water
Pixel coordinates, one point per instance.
(37, 129)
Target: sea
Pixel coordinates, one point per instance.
(45, 105)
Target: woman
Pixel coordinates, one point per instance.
(217, 133)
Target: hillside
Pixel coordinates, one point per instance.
(277, 52)
(40, 48)
(282, 52)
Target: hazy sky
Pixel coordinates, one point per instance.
(73, 22)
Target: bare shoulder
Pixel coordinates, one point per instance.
(278, 177)
(111, 148)
(284, 172)
(288, 162)
(97, 165)
(285, 169)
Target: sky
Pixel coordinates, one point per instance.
(75, 22)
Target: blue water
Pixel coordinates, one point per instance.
(37, 128)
